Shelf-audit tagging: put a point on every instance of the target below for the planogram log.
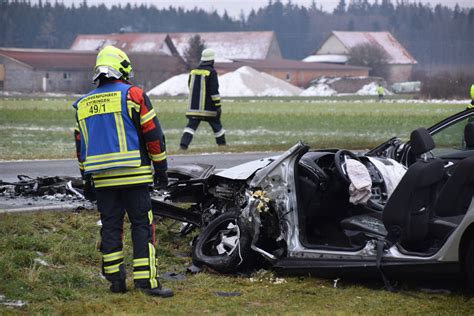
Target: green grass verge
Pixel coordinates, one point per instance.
(70, 283)
(42, 128)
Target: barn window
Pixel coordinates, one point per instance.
(288, 76)
(66, 75)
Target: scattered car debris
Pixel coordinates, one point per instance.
(172, 276)
(42, 186)
(43, 193)
(228, 294)
(193, 269)
(266, 276)
(435, 291)
(12, 303)
(335, 283)
(41, 262)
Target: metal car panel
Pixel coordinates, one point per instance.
(246, 170)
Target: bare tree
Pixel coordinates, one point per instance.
(192, 55)
(372, 56)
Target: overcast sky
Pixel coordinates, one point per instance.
(234, 7)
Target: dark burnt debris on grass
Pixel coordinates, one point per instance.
(29, 191)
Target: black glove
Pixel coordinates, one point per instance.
(160, 180)
(472, 102)
(89, 190)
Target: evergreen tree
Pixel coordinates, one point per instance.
(341, 7)
(192, 55)
(47, 37)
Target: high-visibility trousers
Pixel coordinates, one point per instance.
(113, 203)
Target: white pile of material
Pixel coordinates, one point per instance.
(248, 82)
(243, 82)
(321, 89)
(174, 86)
(371, 89)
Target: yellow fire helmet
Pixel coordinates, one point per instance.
(112, 63)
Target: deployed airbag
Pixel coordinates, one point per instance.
(361, 184)
(392, 172)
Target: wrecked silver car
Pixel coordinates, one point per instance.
(400, 209)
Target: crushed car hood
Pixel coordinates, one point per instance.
(246, 170)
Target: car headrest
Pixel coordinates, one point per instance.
(469, 135)
(421, 141)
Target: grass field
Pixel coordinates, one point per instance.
(51, 261)
(42, 128)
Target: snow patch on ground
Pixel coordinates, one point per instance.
(36, 128)
(371, 89)
(320, 89)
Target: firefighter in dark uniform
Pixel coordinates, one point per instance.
(204, 100)
(121, 151)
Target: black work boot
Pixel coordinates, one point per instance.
(157, 291)
(118, 286)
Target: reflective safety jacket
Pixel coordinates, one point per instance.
(204, 98)
(109, 138)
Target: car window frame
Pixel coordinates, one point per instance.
(438, 127)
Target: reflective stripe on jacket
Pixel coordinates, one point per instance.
(204, 98)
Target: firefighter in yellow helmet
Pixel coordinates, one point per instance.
(121, 151)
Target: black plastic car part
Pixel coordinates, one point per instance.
(469, 265)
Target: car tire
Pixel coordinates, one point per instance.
(205, 251)
(469, 265)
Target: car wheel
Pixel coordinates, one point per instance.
(469, 265)
(223, 245)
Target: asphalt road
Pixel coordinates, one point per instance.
(37, 168)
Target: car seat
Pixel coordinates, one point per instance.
(454, 199)
(469, 135)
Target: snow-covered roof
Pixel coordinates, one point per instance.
(396, 53)
(331, 58)
(51, 59)
(130, 42)
(232, 45)
(284, 65)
